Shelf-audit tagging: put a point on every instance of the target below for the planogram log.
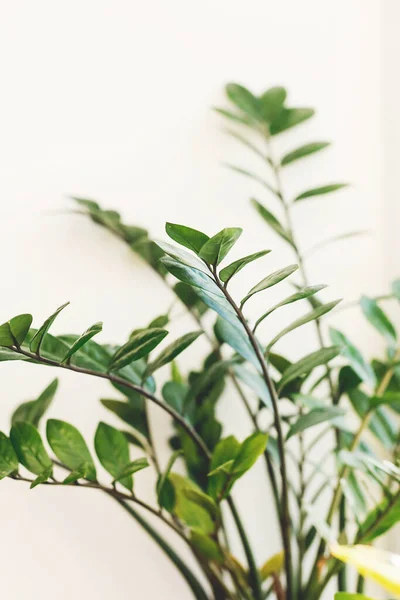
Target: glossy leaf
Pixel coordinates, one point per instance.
(37, 339)
(8, 459)
(303, 151)
(300, 295)
(81, 341)
(29, 447)
(216, 248)
(112, 450)
(316, 416)
(186, 236)
(307, 364)
(173, 350)
(228, 272)
(290, 117)
(320, 191)
(139, 345)
(191, 276)
(270, 280)
(243, 99)
(379, 320)
(69, 446)
(354, 356)
(131, 468)
(271, 103)
(272, 221)
(14, 332)
(34, 410)
(184, 257)
(235, 336)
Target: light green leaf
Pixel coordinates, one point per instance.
(271, 103)
(14, 332)
(140, 344)
(272, 221)
(206, 546)
(216, 248)
(320, 191)
(8, 459)
(253, 176)
(332, 240)
(191, 513)
(183, 257)
(69, 446)
(348, 596)
(80, 472)
(34, 410)
(240, 138)
(311, 316)
(354, 356)
(42, 478)
(303, 151)
(300, 295)
(270, 280)
(29, 448)
(307, 364)
(8, 354)
(290, 117)
(244, 100)
(225, 452)
(396, 289)
(133, 467)
(172, 351)
(232, 116)
(112, 450)
(37, 339)
(379, 320)
(81, 341)
(203, 500)
(250, 450)
(186, 236)
(228, 272)
(314, 417)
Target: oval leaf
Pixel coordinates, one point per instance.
(29, 448)
(243, 99)
(321, 191)
(112, 449)
(8, 459)
(314, 417)
(290, 117)
(69, 446)
(186, 236)
(228, 272)
(216, 248)
(14, 332)
(303, 151)
(300, 295)
(354, 356)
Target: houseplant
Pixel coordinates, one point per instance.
(332, 395)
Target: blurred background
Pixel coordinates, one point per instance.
(113, 101)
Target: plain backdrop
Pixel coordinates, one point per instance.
(112, 101)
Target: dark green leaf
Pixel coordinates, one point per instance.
(289, 117)
(160, 321)
(29, 448)
(303, 151)
(379, 320)
(354, 356)
(34, 410)
(314, 417)
(112, 450)
(270, 280)
(307, 364)
(37, 339)
(216, 248)
(271, 103)
(244, 100)
(8, 458)
(133, 415)
(42, 478)
(139, 345)
(272, 221)
(186, 236)
(69, 446)
(320, 191)
(173, 350)
(300, 295)
(81, 341)
(175, 394)
(133, 467)
(228, 272)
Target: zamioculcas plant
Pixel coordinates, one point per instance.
(332, 400)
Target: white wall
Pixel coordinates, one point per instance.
(112, 100)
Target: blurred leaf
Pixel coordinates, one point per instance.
(216, 248)
(173, 350)
(255, 383)
(206, 546)
(354, 356)
(250, 450)
(231, 116)
(78, 473)
(290, 117)
(270, 280)
(244, 100)
(272, 221)
(271, 103)
(133, 467)
(189, 512)
(307, 364)
(272, 565)
(240, 138)
(303, 151)
(300, 295)
(34, 410)
(134, 416)
(139, 345)
(253, 176)
(160, 321)
(380, 520)
(112, 450)
(396, 288)
(186, 236)
(203, 500)
(314, 417)
(236, 338)
(81, 341)
(175, 395)
(165, 490)
(29, 448)
(8, 459)
(226, 451)
(37, 339)
(320, 191)
(228, 272)
(379, 320)
(42, 478)
(348, 596)
(69, 446)
(14, 332)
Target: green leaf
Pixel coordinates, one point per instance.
(8, 459)
(255, 382)
(380, 520)
(272, 566)
(34, 410)
(250, 450)
(186, 236)
(303, 151)
(216, 248)
(14, 332)
(133, 415)
(354, 356)
(133, 467)
(270, 280)
(379, 320)
(311, 316)
(165, 490)
(203, 500)
(191, 276)
(300, 295)
(206, 546)
(112, 450)
(348, 596)
(80, 472)
(183, 257)
(290, 117)
(253, 176)
(314, 417)
(173, 350)
(307, 364)
(320, 191)
(37, 340)
(175, 394)
(232, 116)
(271, 103)
(228, 272)
(236, 338)
(272, 221)
(191, 513)
(244, 100)
(140, 344)
(81, 341)
(69, 446)
(29, 448)
(225, 452)
(42, 478)
(240, 138)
